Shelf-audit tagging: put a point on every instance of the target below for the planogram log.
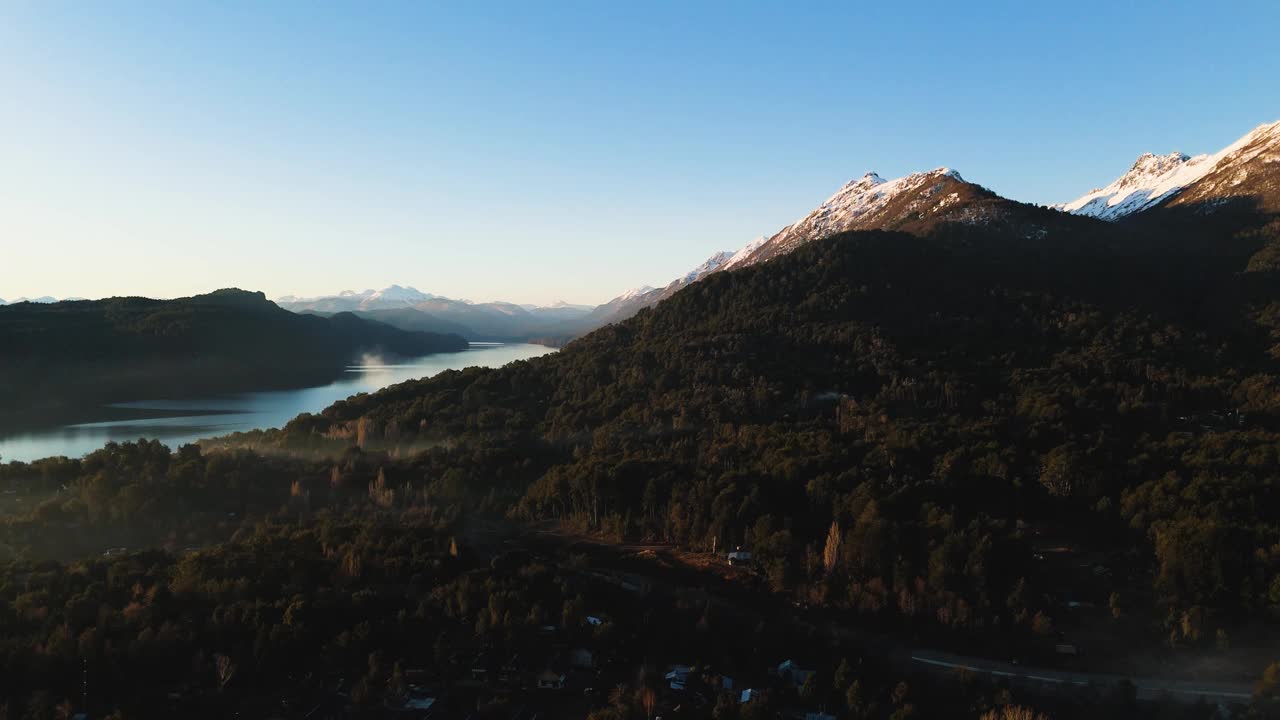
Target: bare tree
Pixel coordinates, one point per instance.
(831, 552)
(226, 670)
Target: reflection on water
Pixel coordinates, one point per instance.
(249, 411)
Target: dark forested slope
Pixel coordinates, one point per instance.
(962, 440)
(899, 424)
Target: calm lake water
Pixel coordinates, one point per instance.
(249, 411)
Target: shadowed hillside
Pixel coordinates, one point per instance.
(63, 360)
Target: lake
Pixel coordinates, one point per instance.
(177, 422)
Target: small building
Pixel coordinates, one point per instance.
(792, 674)
(420, 704)
(678, 676)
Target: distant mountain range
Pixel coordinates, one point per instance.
(412, 309)
(919, 203)
(1156, 188)
(43, 300)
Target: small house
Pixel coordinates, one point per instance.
(678, 676)
(792, 674)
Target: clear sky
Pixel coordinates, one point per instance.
(536, 151)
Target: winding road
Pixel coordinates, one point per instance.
(1147, 688)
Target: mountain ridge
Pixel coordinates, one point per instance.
(1154, 180)
(65, 360)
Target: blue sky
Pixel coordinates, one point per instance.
(543, 151)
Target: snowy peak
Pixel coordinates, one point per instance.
(713, 263)
(1151, 164)
(915, 201)
(1156, 179)
(868, 202)
(1151, 180)
(395, 295)
(744, 253)
(868, 181)
(636, 292)
(1249, 168)
(631, 301)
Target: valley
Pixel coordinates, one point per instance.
(942, 442)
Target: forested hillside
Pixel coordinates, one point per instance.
(62, 360)
(901, 426)
(962, 440)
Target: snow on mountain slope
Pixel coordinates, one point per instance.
(1151, 180)
(744, 253)
(713, 263)
(1249, 168)
(1154, 179)
(633, 300)
(393, 296)
(913, 203)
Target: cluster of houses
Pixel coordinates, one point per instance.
(529, 679)
(700, 686)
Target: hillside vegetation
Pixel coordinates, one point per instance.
(63, 360)
(898, 424)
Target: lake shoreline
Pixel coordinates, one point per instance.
(72, 432)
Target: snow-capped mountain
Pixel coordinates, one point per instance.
(394, 296)
(737, 258)
(635, 299)
(1156, 179)
(1151, 180)
(1248, 169)
(916, 203)
(559, 305)
(713, 263)
(636, 292)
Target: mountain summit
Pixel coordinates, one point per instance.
(1248, 168)
(868, 203)
(1156, 179)
(917, 203)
